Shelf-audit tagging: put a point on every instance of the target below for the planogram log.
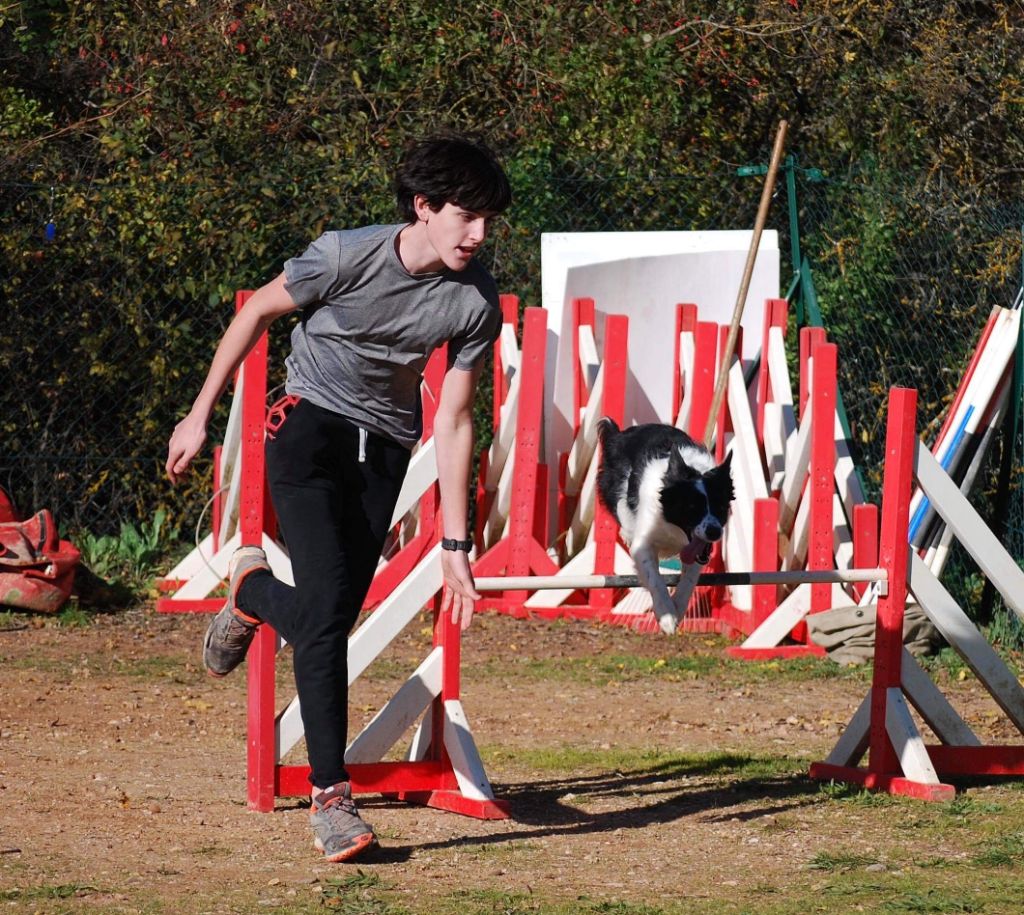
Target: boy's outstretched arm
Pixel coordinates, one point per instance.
(453, 439)
(263, 307)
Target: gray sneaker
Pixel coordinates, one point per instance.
(231, 631)
(340, 833)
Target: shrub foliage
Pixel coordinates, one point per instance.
(180, 149)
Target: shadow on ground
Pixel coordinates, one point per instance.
(715, 789)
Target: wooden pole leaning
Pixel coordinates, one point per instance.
(748, 270)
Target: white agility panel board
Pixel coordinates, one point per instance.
(458, 741)
(400, 713)
(906, 739)
(644, 275)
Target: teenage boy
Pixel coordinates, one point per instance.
(374, 303)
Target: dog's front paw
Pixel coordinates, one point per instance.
(668, 618)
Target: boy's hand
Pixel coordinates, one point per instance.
(186, 441)
(459, 592)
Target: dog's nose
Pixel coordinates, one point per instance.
(712, 531)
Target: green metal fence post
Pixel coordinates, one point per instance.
(794, 220)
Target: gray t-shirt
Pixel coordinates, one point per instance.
(368, 327)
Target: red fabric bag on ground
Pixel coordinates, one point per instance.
(37, 568)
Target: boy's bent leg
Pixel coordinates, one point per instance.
(232, 630)
(334, 511)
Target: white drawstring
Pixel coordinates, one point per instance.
(362, 446)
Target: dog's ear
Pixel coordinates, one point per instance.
(606, 429)
(723, 472)
(678, 469)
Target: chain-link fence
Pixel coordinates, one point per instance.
(108, 330)
(904, 279)
(110, 325)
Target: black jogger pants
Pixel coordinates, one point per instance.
(334, 489)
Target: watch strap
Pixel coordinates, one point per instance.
(449, 543)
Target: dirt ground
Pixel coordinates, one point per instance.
(645, 774)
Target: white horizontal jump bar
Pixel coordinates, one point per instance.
(794, 577)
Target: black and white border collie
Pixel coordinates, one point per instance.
(669, 497)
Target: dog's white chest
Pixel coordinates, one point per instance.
(647, 525)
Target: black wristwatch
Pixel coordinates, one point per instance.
(447, 543)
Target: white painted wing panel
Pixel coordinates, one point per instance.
(400, 712)
(458, 741)
(972, 532)
(906, 739)
(966, 640)
(933, 706)
(421, 475)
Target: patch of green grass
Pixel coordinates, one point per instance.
(155, 667)
(669, 764)
(54, 891)
(569, 758)
(209, 851)
(964, 809)
(947, 662)
(71, 616)
(359, 880)
(798, 670)
(500, 902)
(159, 667)
(625, 908)
(388, 669)
(359, 893)
(828, 861)
(12, 620)
(1005, 851)
(856, 796)
(631, 667)
(782, 823)
(58, 666)
(932, 901)
(934, 862)
(697, 665)
(494, 902)
(966, 812)
(895, 893)
(496, 851)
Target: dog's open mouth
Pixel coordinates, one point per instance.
(697, 550)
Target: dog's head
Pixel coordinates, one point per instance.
(696, 497)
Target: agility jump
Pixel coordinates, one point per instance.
(442, 767)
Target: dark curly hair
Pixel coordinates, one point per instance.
(451, 168)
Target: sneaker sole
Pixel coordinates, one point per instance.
(209, 671)
(361, 844)
(206, 644)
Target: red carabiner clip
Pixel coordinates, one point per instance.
(278, 413)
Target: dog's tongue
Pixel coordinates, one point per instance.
(696, 550)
